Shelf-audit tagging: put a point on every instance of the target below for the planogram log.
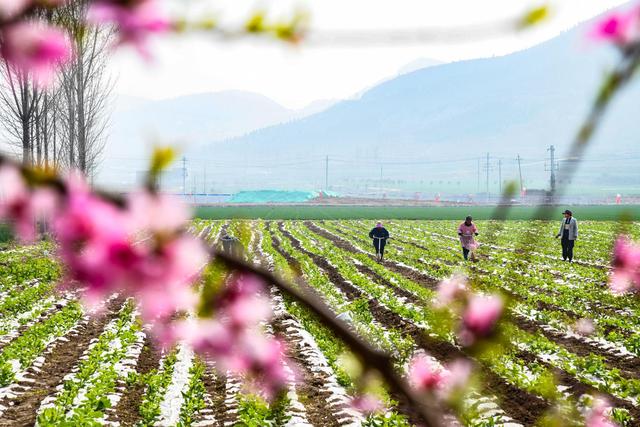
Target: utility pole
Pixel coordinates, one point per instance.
(194, 186)
(520, 172)
(204, 180)
(500, 175)
(553, 168)
(478, 175)
(326, 173)
(487, 167)
(184, 175)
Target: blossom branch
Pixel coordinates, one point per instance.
(370, 356)
(126, 259)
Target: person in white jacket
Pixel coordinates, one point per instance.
(569, 233)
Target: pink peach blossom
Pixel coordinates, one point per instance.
(451, 289)
(457, 376)
(585, 327)
(23, 206)
(11, 8)
(626, 266)
(619, 27)
(14, 202)
(367, 404)
(134, 19)
(425, 374)
(36, 49)
(157, 213)
(206, 336)
(480, 317)
(234, 336)
(249, 310)
(599, 414)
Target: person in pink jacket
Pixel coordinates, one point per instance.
(467, 231)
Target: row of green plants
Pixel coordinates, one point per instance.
(21, 353)
(543, 378)
(20, 269)
(537, 288)
(333, 350)
(422, 318)
(194, 395)
(155, 384)
(84, 397)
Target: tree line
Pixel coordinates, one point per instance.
(61, 125)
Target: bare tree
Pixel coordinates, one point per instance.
(85, 89)
(19, 102)
(46, 117)
(63, 126)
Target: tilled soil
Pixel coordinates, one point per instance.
(518, 404)
(309, 385)
(578, 388)
(215, 386)
(41, 318)
(629, 367)
(58, 363)
(127, 409)
(420, 278)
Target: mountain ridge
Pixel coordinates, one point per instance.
(516, 104)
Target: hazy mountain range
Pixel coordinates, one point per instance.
(197, 118)
(424, 129)
(193, 120)
(516, 104)
(187, 121)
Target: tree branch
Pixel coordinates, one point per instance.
(369, 355)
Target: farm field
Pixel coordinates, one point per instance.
(335, 212)
(63, 366)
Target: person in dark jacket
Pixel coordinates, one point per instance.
(569, 233)
(379, 234)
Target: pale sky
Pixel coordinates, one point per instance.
(296, 76)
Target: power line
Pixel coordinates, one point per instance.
(419, 35)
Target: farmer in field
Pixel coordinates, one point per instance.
(379, 234)
(467, 230)
(569, 233)
(231, 245)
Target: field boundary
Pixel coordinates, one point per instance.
(320, 212)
